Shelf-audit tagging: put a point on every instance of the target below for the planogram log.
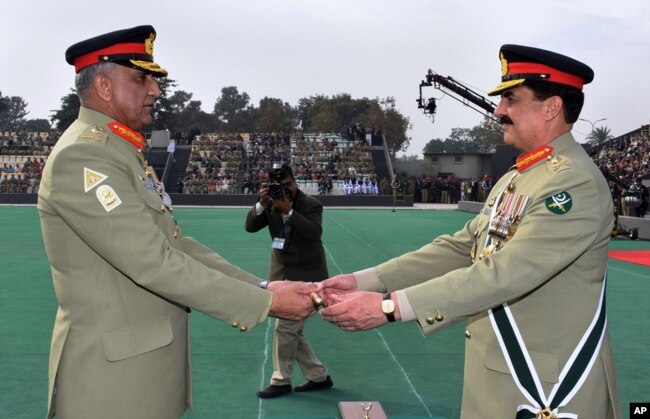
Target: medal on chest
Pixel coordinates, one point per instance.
(506, 210)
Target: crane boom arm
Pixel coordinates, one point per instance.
(457, 91)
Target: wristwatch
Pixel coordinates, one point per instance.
(264, 284)
(388, 307)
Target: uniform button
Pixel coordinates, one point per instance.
(430, 320)
(235, 324)
(162, 208)
(467, 334)
(439, 318)
(243, 328)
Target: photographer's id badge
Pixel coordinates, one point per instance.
(278, 243)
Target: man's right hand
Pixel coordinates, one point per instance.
(291, 300)
(265, 199)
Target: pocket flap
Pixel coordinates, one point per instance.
(153, 200)
(135, 340)
(547, 366)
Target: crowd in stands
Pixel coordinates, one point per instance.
(627, 157)
(625, 161)
(22, 158)
(214, 162)
(224, 164)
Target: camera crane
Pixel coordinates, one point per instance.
(457, 91)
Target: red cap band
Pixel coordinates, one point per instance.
(555, 75)
(93, 58)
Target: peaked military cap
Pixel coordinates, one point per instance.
(129, 47)
(520, 63)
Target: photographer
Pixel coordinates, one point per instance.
(636, 197)
(294, 223)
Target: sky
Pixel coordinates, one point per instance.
(290, 49)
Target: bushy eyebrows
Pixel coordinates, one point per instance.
(508, 94)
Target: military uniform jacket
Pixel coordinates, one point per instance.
(303, 256)
(124, 278)
(549, 269)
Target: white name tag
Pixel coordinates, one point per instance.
(278, 243)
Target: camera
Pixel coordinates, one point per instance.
(280, 171)
(277, 190)
(632, 196)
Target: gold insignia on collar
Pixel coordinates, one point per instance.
(127, 133)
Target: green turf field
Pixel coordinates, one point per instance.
(412, 376)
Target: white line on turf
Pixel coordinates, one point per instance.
(406, 376)
(260, 411)
(352, 233)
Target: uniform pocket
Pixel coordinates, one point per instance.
(135, 340)
(546, 365)
(153, 200)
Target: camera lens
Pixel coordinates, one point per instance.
(276, 190)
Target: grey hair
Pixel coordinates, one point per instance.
(85, 77)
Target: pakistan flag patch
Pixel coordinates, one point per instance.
(560, 203)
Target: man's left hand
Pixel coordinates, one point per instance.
(282, 204)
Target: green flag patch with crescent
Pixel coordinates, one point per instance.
(560, 203)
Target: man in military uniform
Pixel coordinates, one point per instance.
(294, 221)
(124, 275)
(527, 274)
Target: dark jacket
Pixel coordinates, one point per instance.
(303, 256)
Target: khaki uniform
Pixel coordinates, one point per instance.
(125, 277)
(549, 269)
(302, 259)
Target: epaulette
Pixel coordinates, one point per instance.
(93, 133)
(558, 163)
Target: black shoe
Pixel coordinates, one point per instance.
(274, 391)
(313, 385)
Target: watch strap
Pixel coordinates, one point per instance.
(389, 316)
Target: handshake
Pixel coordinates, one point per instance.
(338, 300)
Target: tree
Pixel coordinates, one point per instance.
(163, 108)
(65, 116)
(487, 135)
(324, 114)
(410, 158)
(232, 109)
(324, 119)
(394, 127)
(38, 125)
(482, 138)
(192, 117)
(4, 104)
(12, 117)
(275, 116)
(435, 145)
(600, 135)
